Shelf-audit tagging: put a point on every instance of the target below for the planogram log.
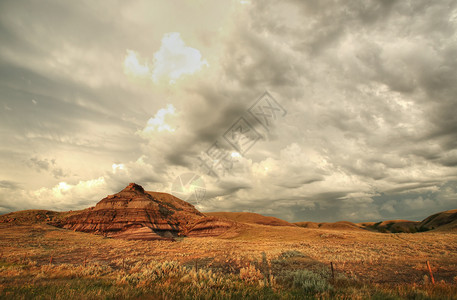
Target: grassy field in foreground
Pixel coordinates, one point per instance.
(38, 261)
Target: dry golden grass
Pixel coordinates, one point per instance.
(254, 261)
(363, 255)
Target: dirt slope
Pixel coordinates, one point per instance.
(443, 221)
(252, 218)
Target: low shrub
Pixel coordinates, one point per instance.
(310, 281)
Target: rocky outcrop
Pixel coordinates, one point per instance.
(134, 213)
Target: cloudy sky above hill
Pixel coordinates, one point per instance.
(360, 122)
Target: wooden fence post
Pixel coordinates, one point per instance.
(333, 272)
(430, 271)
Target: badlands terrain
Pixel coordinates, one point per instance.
(138, 244)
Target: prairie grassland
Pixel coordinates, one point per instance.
(272, 262)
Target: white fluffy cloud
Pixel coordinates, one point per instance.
(133, 67)
(62, 196)
(173, 60)
(160, 122)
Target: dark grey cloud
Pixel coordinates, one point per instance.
(6, 184)
(379, 74)
(47, 165)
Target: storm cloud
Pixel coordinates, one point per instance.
(369, 129)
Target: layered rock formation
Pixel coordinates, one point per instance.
(134, 213)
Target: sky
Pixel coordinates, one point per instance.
(302, 110)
